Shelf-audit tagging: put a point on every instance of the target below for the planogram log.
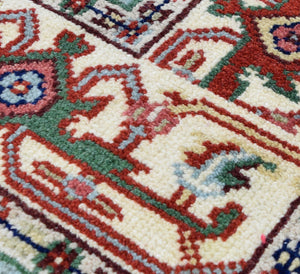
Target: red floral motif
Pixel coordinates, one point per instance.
(80, 188)
(135, 29)
(76, 5)
(20, 87)
(254, 52)
(287, 37)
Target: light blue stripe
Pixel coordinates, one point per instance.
(67, 211)
(210, 34)
(29, 26)
(131, 78)
(135, 132)
(6, 268)
(12, 137)
(212, 178)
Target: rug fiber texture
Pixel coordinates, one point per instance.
(150, 136)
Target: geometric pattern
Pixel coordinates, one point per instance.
(267, 47)
(133, 26)
(27, 88)
(143, 136)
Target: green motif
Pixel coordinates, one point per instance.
(70, 258)
(228, 179)
(219, 6)
(223, 219)
(98, 158)
(73, 8)
(9, 265)
(125, 4)
(225, 60)
(268, 82)
(46, 126)
(79, 7)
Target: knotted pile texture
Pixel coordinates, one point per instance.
(150, 136)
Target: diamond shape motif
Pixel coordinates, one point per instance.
(131, 25)
(27, 88)
(281, 36)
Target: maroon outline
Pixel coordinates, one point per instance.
(251, 263)
(145, 48)
(126, 257)
(58, 228)
(259, 251)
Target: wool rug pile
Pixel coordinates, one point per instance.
(150, 136)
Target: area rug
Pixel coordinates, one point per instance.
(149, 136)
